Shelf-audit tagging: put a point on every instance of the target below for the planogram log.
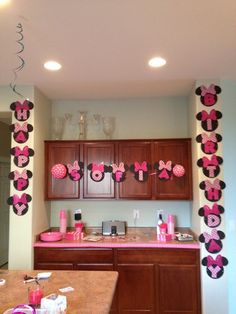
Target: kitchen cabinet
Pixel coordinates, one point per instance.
(130, 152)
(60, 152)
(178, 151)
(94, 186)
(99, 153)
(156, 281)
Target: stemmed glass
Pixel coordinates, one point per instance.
(57, 126)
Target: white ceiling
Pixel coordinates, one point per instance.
(104, 45)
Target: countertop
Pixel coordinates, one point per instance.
(135, 238)
(93, 290)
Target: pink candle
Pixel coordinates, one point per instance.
(35, 296)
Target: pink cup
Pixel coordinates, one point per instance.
(79, 227)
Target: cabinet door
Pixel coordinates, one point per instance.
(136, 288)
(98, 152)
(178, 151)
(60, 153)
(178, 289)
(129, 153)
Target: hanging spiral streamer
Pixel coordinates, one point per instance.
(21, 59)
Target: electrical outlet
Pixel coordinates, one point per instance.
(136, 214)
(158, 212)
(78, 211)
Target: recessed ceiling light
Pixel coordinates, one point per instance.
(156, 62)
(4, 2)
(52, 65)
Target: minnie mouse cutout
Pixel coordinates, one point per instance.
(211, 216)
(215, 267)
(210, 167)
(97, 171)
(118, 172)
(20, 203)
(209, 142)
(164, 169)
(75, 170)
(21, 131)
(209, 121)
(21, 156)
(212, 189)
(140, 170)
(213, 243)
(208, 95)
(20, 180)
(22, 111)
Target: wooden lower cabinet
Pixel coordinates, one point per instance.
(151, 281)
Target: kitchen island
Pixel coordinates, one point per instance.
(155, 277)
(93, 291)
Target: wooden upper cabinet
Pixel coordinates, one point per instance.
(59, 152)
(178, 151)
(130, 152)
(99, 153)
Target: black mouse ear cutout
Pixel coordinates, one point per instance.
(156, 165)
(224, 261)
(11, 175)
(221, 234)
(202, 185)
(198, 91)
(30, 127)
(201, 212)
(200, 162)
(199, 116)
(131, 168)
(217, 89)
(30, 104)
(222, 184)
(219, 114)
(29, 174)
(12, 127)
(126, 167)
(90, 166)
(106, 168)
(199, 138)
(218, 137)
(220, 160)
(204, 261)
(31, 152)
(13, 105)
(201, 238)
(10, 200)
(28, 198)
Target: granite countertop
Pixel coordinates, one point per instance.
(135, 238)
(93, 290)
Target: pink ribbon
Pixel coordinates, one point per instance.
(20, 106)
(99, 167)
(138, 167)
(18, 127)
(166, 165)
(75, 166)
(24, 151)
(211, 137)
(209, 90)
(210, 162)
(211, 115)
(213, 210)
(216, 262)
(215, 185)
(17, 199)
(212, 236)
(116, 168)
(18, 175)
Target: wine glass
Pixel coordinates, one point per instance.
(108, 126)
(82, 124)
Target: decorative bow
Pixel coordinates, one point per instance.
(99, 167)
(216, 262)
(166, 165)
(215, 185)
(75, 166)
(18, 127)
(212, 162)
(116, 168)
(211, 115)
(213, 236)
(138, 167)
(213, 210)
(20, 106)
(24, 151)
(209, 90)
(211, 137)
(17, 199)
(18, 175)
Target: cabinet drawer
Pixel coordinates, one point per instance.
(160, 256)
(73, 255)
